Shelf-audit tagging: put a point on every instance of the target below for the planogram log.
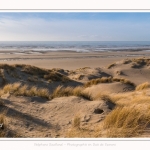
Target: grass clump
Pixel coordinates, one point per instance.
(76, 122)
(77, 130)
(32, 70)
(81, 133)
(2, 76)
(140, 62)
(55, 76)
(25, 90)
(11, 88)
(32, 79)
(108, 80)
(7, 67)
(143, 86)
(61, 91)
(126, 81)
(126, 122)
(97, 81)
(111, 65)
(126, 61)
(2, 126)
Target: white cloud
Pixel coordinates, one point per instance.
(37, 29)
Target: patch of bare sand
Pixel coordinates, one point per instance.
(87, 73)
(104, 88)
(136, 70)
(37, 117)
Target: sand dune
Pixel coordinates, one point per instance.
(84, 102)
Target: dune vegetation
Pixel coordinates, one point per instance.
(123, 113)
(108, 80)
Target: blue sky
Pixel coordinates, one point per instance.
(77, 26)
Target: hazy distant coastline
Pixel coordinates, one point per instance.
(77, 46)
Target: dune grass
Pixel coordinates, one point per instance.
(55, 76)
(76, 122)
(111, 65)
(129, 118)
(143, 86)
(61, 91)
(135, 62)
(108, 80)
(4, 80)
(140, 62)
(2, 121)
(126, 122)
(25, 90)
(83, 132)
(32, 70)
(34, 73)
(79, 131)
(7, 67)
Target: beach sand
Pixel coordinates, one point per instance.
(72, 94)
(68, 60)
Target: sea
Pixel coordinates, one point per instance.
(77, 46)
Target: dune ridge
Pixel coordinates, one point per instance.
(85, 102)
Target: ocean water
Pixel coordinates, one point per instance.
(78, 46)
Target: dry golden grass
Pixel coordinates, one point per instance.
(111, 65)
(43, 92)
(11, 88)
(2, 121)
(32, 70)
(32, 79)
(61, 91)
(5, 131)
(129, 118)
(4, 81)
(22, 90)
(108, 80)
(126, 61)
(55, 76)
(103, 96)
(82, 133)
(7, 67)
(140, 62)
(97, 81)
(38, 72)
(143, 86)
(126, 122)
(25, 90)
(135, 62)
(76, 122)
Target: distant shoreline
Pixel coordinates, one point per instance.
(68, 59)
(74, 51)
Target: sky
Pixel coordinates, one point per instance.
(75, 26)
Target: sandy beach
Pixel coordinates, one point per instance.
(68, 60)
(74, 94)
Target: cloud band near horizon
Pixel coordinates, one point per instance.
(74, 26)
